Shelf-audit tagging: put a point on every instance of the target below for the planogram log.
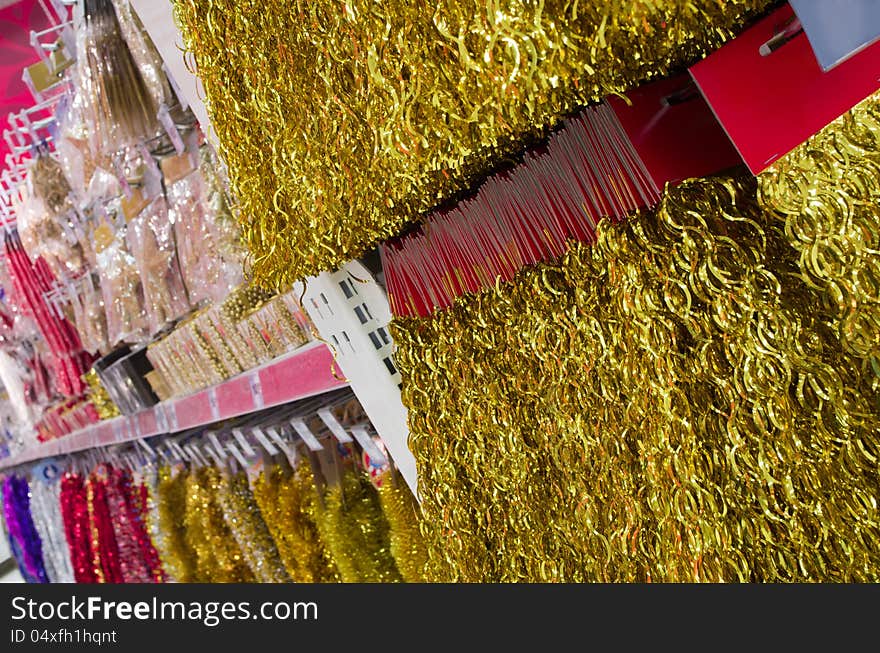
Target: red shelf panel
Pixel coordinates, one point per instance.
(302, 373)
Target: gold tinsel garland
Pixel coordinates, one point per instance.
(671, 404)
(402, 513)
(355, 531)
(178, 557)
(220, 559)
(286, 503)
(99, 396)
(340, 122)
(249, 530)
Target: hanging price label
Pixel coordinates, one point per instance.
(333, 424)
(270, 448)
(306, 434)
(235, 452)
(369, 446)
(182, 455)
(212, 402)
(217, 449)
(285, 446)
(242, 441)
(256, 390)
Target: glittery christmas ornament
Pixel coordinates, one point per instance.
(355, 531)
(286, 503)
(341, 122)
(250, 531)
(670, 404)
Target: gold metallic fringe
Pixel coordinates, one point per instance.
(826, 192)
(340, 122)
(671, 404)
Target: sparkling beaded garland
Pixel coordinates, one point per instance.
(286, 504)
(355, 531)
(248, 528)
(341, 122)
(672, 404)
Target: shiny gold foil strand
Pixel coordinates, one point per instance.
(355, 531)
(250, 531)
(341, 122)
(668, 405)
(827, 195)
(406, 541)
(286, 504)
(220, 558)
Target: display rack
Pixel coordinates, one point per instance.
(350, 310)
(304, 372)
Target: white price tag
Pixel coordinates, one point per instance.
(212, 401)
(242, 441)
(171, 416)
(289, 451)
(161, 421)
(179, 450)
(217, 449)
(117, 430)
(369, 446)
(256, 389)
(270, 448)
(306, 434)
(194, 454)
(235, 452)
(333, 424)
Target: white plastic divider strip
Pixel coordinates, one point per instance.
(351, 313)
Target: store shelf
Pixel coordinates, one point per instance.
(305, 372)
